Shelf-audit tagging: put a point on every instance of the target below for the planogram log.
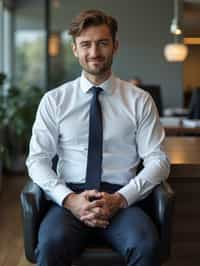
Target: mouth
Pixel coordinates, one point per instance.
(96, 60)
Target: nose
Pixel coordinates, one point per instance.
(94, 51)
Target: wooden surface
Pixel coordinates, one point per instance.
(186, 221)
(181, 131)
(184, 155)
(11, 241)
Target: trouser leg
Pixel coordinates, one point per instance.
(132, 233)
(62, 237)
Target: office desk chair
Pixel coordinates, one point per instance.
(155, 92)
(34, 206)
(194, 107)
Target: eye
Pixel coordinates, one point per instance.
(85, 44)
(104, 43)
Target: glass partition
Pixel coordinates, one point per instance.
(63, 64)
(6, 41)
(30, 44)
(1, 36)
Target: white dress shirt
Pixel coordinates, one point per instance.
(131, 130)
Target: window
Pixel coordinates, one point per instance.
(30, 44)
(6, 34)
(63, 65)
(1, 36)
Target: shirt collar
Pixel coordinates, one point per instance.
(107, 85)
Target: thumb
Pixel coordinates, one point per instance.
(92, 194)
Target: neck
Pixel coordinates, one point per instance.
(97, 79)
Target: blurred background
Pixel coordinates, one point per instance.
(159, 50)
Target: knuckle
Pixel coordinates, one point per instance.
(82, 212)
(92, 216)
(98, 211)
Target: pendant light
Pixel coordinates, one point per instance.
(54, 44)
(177, 51)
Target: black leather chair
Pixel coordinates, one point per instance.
(155, 92)
(34, 206)
(194, 107)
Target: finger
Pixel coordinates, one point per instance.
(96, 223)
(103, 194)
(101, 212)
(89, 216)
(92, 194)
(95, 203)
(93, 213)
(89, 223)
(96, 212)
(100, 223)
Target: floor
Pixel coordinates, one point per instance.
(11, 243)
(186, 236)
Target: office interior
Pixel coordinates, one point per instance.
(36, 56)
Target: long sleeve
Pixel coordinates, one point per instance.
(43, 147)
(150, 137)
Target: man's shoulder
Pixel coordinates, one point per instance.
(128, 88)
(64, 88)
(60, 94)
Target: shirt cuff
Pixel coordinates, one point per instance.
(130, 193)
(59, 193)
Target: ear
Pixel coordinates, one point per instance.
(74, 49)
(116, 46)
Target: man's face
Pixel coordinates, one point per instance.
(94, 49)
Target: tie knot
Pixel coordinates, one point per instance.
(96, 90)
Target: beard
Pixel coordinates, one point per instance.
(98, 70)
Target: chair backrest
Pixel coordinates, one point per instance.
(194, 107)
(155, 92)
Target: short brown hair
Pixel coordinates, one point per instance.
(89, 18)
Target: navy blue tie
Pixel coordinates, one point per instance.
(94, 160)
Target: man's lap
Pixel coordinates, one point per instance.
(129, 227)
(62, 229)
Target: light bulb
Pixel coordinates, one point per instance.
(175, 52)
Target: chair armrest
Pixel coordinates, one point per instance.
(163, 200)
(34, 206)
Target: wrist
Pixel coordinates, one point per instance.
(68, 199)
(122, 201)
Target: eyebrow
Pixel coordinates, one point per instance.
(100, 40)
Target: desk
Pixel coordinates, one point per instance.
(184, 155)
(181, 131)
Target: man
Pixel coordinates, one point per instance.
(100, 127)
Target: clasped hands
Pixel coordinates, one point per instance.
(94, 208)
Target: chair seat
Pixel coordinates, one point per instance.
(99, 256)
(34, 206)
(99, 253)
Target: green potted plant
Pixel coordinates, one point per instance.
(17, 114)
(21, 109)
(2, 115)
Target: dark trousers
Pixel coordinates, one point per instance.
(131, 232)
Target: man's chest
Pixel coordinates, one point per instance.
(119, 123)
